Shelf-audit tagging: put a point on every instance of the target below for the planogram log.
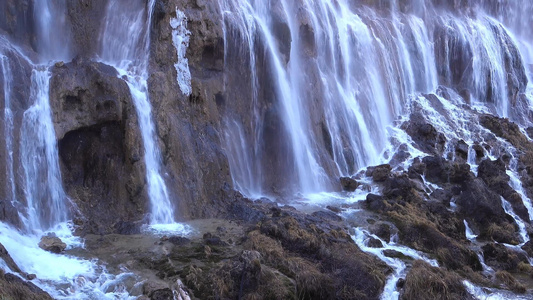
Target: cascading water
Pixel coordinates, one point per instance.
(43, 203)
(390, 292)
(342, 72)
(52, 30)
(43, 190)
(340, 76)
(125, 45)
(43, 206)
(8, 130)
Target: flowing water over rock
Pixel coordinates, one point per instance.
(8, 130)
(53, 30)
(46, 201)
(329, 78)
(43, 206)
(338, 74)
(125, 43)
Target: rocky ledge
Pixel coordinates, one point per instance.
(264, 252)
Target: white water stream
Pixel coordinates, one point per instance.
(125, 45)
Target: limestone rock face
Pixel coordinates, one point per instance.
(84, 94)
(189, 127)
(99, 144)
(86, 17)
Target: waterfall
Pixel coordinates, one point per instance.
(8, 129)
(337, 74)
(52, 30)
(45, 200)
(43, 188)
(125, 45)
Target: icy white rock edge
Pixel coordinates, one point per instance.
(180, 39)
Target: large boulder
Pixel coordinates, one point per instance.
(100, 146)
(84, 94)
(437, 169)
(379, 173)
(349, 184)
(52, 244)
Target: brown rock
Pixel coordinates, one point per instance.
(155, 288)
(374, 243)
(426, 282)
(189, 128)
(494, 174)
(13, 287)
(502, 258)
(349, 184)
(424, 135)
(52, 244)
(379, 173)
(461, 149)
(100, 146)
(86, 18)
(31, 276)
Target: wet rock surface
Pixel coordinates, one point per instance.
(12, 287)
(349, 184)
(379, 173)
(4, 255)
(190, 126)
(425, 136)
(502, 258)
(430, 217)
(287, 254)
(52, 244)
(100, 147)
